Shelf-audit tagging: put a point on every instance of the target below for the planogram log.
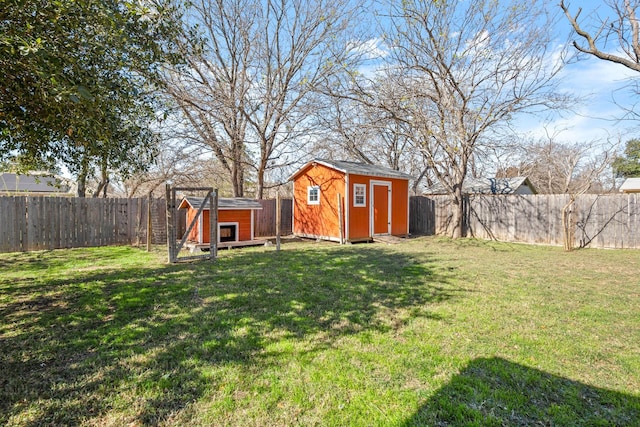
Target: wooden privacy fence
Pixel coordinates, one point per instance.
(265, 219)
(602, 221)
(36, 223)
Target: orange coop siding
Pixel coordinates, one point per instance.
(205, 226)
(321, 219)
(193, 234)
(241, 216)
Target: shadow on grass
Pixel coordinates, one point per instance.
(139, 341)
(496, 392)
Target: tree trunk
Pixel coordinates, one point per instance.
(568, 231)
(237, 168)
(82, 178)
(104, 182)
(82, 189)
(260, 189)
(237, 179)
(458, 212)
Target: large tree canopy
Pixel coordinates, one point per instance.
(459, 72)
(248, 95)
(75, 81)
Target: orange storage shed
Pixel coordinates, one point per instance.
(235, 219)
(374, 201)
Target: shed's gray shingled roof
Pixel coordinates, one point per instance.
(357, 169)
(30, 183)
(486, 186)
(224, 203)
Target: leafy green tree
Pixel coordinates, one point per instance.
(77, 80)
(628, 166)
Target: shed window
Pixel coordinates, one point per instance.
(359, 195)
(313, 195)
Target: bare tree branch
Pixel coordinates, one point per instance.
(463, 71)
(624, 27)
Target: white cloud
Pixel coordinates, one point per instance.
(479, 42)
(601, 85)
(596, 76)
(371, 49)
(584, 125)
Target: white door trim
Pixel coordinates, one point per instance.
(387, 184)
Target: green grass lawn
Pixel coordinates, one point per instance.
(428, 332)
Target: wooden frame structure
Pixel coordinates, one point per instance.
(173, 246)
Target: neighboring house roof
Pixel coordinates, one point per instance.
(223, 203)
(630, 185)
(356, 169)
(516, 185)
(31, 183)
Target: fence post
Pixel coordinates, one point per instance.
(149, 222)
(278, 219)
(213, 224)
(170, 239)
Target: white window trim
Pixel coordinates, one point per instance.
(309, 189)
(355, 196)
(222, 224)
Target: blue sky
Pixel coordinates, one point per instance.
(602, 87)
(601, 84)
